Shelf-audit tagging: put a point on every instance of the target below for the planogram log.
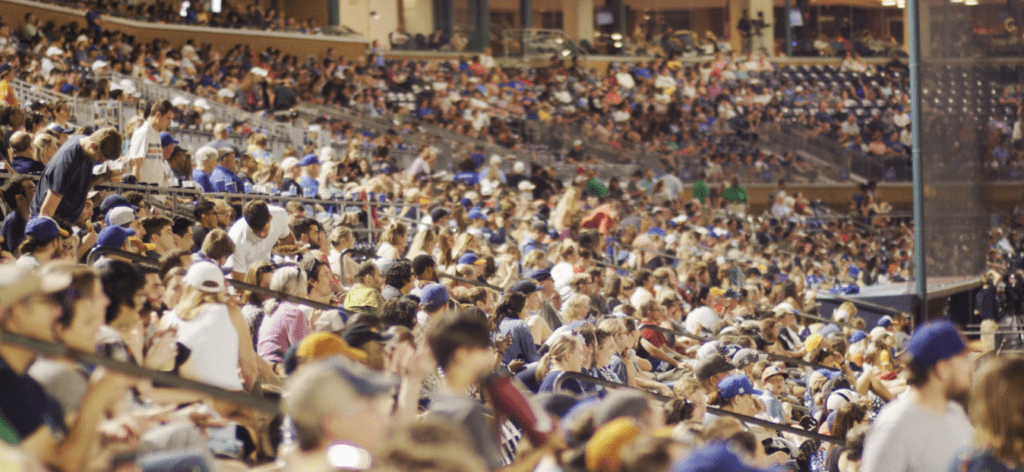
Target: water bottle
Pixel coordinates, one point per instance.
(247, 186)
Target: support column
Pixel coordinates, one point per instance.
(480, 16)
(444, 13)
(526, 14)
(578, 19)
(753, 7)
(618, 10)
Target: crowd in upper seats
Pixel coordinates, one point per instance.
(463, 334)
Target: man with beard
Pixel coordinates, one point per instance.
(923, 430)
(309, 232)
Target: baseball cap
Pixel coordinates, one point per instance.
(603, 450)
(469, 258)
(308, 160)
(539, 275)
(526, 186)
(620, 403)
(114, 201)
(65, 89)
(709, 348)
(17, 283)
(438, 213)
(99, 64)
(358, 334)
(44, 229)
(433, 295)
(538, 226)
(715, 457)
(313, 391)
(167, 140)
(113, 236)
(839, 398)
(477, 214)
(524, 287)
(933, 342)
(745, 357)
(205, 276)
(857, 336)
(4, 68)
(323, 344)
(58, 129)
(734, 385)
(771, 371)
(519, 167)
(884, 321)
(288, 163)
(711, 365)
(120, 216)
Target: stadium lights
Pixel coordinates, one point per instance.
(618, 44)
(616, 37)
(566, 53)
(901, 4)
(888, 3)
(970, 3)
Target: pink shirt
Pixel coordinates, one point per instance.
(278, 332)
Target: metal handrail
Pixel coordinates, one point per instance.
(164, 378)
(559, 388)
(771, 355)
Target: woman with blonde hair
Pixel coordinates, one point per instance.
(392, 241)
(44, 146)
(566, 355)
(997, 400)
(570, 204)
(341, 263)
(423, 243)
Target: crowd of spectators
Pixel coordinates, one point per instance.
(400, 355)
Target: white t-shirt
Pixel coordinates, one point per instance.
(145, 145)
(249, 248)
(906, 438)
(214, 344)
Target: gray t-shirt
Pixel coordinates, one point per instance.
(66, 384)
(473, 416)
(906, 438)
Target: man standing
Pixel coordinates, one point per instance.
(64, 187)
(146, 153)
(256, 234)
(923, 429)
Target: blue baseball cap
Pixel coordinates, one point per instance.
(933, 342)
(734, 385)
(716, 457)
(524, 287)
(167, 140)
(827, 330)
(68, 88)
(44, 229)
(885, 321)
(433, 295)
(113, 236)
(466, 203)
(857, 336)
(477, 214)
(308, 160)
(468, 258)
(656, 230)
(114, 201)
(539, 275)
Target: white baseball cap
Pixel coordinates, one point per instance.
(205, 276)
(120, 216)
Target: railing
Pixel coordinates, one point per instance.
(536, 42)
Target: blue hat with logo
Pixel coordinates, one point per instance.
(885, 321)
(734, 385)
(933, 342)
(308, 160)
(716, 457)
(167, 140)
(433, 295)
(539, 275)
(468, 258)
(857, 336)
(113, 236)
(44, 229)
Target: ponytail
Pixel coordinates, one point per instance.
(543, 367)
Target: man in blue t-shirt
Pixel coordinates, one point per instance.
(223, 178)
(64, 187)
(310, 171)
